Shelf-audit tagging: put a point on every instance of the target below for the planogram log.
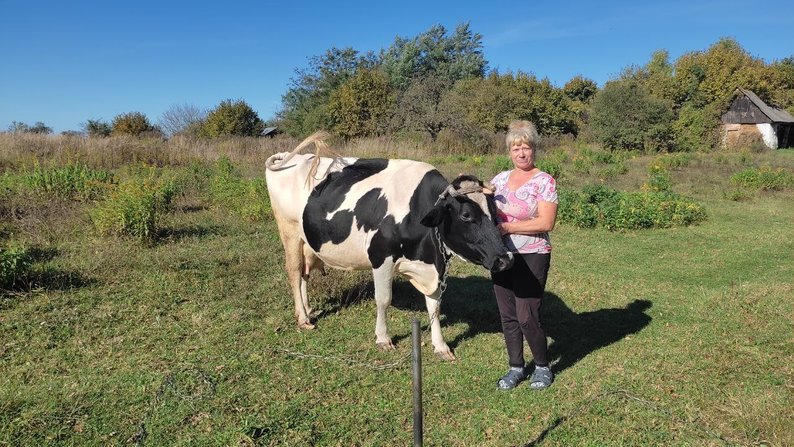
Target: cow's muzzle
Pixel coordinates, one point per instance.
(502, 263)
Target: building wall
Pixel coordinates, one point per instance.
(740, 136)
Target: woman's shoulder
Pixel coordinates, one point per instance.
(544, 177)
(501, 177)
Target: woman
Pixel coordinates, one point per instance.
(526, 201)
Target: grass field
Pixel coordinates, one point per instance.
(681, 336)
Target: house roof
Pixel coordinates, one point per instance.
(268, 130)
(773, 113)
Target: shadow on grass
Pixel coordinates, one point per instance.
(470, 300)
(167, 235)
(45, 278)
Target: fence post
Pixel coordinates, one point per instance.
(417, 370)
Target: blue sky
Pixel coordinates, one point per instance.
(66, 62)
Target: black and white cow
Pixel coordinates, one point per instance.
(391, 216)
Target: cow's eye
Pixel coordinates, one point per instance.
(465, 216)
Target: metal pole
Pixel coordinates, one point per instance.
(417, 362)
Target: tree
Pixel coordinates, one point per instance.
(359, 107)
(420, 108)
(97, 128)
(625, 116)
(38, 128)
(132, 123)
(18, 127)
(179, 119)
(580, 89)
(452, 58)
(232, 118)
(305, 104)
(491, 103)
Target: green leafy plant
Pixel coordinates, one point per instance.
(73, 181)
(600, 205)
(15, 264)
(248, 198)
(658, 179)
(764, 178)
(134, 208)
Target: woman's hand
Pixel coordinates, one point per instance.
(502, 227)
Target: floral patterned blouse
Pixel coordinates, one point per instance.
(522, 204)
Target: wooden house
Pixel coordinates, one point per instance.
(750, 120)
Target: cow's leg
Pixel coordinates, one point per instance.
(310, 262)
(383, 277)
(434, 311)
(293, 260)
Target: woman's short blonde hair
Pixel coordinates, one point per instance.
(521, 131)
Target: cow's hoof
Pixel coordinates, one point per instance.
(446, 355)
(386, 346)
(306, 325)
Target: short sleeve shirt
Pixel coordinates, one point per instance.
(522, 204)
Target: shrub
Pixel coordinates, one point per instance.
(658, 178)
(133, 208)
(502, 163)
(132, 123)
(648, 209)
(232, 118)
(573, 208)
(73, 181)
(601, 205)
(247, 198)
(14, 264)
(97, 128)
(551, 166)
(764, 178)
(675, 161)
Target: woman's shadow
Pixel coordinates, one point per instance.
(575, 335)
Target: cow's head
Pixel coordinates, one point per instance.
(465, 215)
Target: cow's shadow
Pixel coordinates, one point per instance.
(574, 335)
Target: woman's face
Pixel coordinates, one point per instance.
(523, 156)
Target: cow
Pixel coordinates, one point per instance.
(390, 216)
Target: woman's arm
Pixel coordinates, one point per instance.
(544, 222)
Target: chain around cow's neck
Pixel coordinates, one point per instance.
(447, 255)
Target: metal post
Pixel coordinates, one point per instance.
(417, 362)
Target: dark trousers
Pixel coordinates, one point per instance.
(519, 291)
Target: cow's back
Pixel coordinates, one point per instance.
(346, 209)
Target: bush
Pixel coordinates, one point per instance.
(232, 118)
(133, 123)
(651, 210)
(133, 209)
(73, 181)
(600, 205)
(247, 198)
(552, 167)
(14, 264)
(764, 178)
(658, 179)
(574, 208)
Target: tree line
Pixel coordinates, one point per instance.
(438, 85)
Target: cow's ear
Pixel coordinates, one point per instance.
(434, 217)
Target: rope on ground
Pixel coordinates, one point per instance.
(203, 385)
(346, 360)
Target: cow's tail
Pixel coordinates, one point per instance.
(277, 162)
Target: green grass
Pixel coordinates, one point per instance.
(678, 336)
